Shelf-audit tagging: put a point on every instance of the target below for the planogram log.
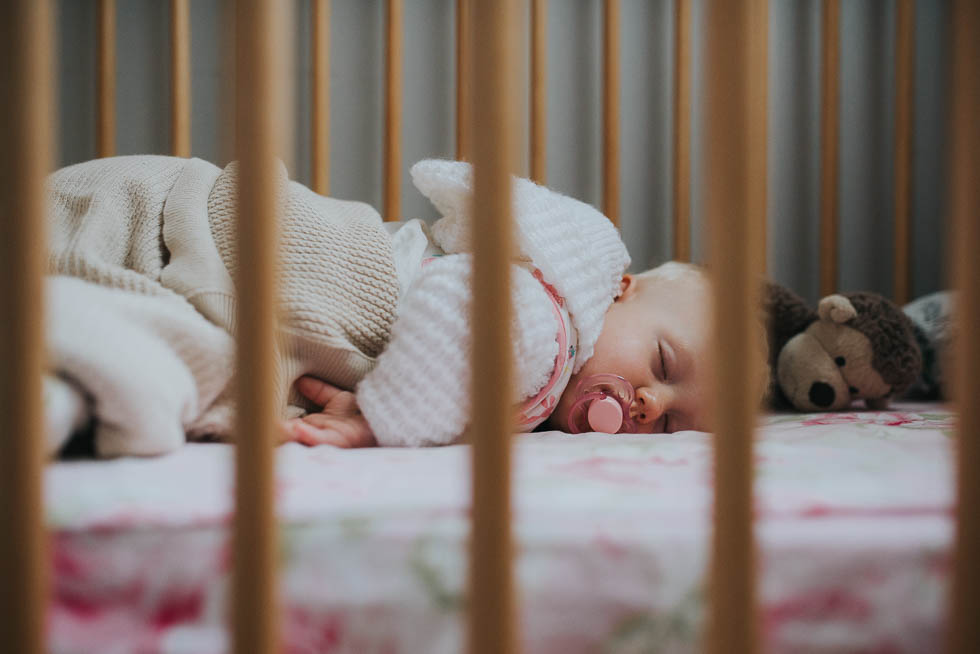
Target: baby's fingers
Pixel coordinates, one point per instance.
(317, 390)
(299, 431)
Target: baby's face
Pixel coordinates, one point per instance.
(656, 335)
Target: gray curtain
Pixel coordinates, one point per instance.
(574, 115)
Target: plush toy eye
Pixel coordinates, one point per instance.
(853, 390)
(840, 361)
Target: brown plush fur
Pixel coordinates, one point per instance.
(896, 355)
(890, 332)
(786, 316)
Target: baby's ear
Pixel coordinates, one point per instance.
(627, 286)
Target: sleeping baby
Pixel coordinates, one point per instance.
(375, 326)
(650, 357)
(595, 349)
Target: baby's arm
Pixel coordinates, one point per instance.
(418, 394)
(339, 423)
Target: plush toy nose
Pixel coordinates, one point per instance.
(821, 394)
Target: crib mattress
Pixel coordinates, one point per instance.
(854, 526)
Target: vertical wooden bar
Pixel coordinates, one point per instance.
(25, 157)
(682, 130)
(539, 89)
(964, 628)
(393, 113)
(321, 96)
(491, 604)
(736, 203)
(904, 108)
(610, 110)
(180, 78)
(105, 62)
(829, 144)
(261, 120)
(464, 90)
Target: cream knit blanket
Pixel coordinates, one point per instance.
(146, 327)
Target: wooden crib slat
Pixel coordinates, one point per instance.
(829, 144)
(180, 78)
(261, 122)
(736, 203)
(25, 158)
(964, 629)
(904, 108)
(490, 599)
(682, 130)
(105, 62)
(464, 99)
(610, 109)
(393, 112)
(539, 90)
(321, 96)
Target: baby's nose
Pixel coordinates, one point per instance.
(647, 407)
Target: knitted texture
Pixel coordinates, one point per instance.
(419, 393)
(105, 220)
(160, 233)
(337, 275)
(577, 249)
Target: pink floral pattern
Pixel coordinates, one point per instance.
(853, 524)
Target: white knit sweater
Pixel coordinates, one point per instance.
(418, 394)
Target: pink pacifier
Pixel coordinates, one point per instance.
(602, 403)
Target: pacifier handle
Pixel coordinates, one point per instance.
(606, 415)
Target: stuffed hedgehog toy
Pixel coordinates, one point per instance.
(854, 346)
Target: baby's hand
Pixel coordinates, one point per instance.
(339, 423)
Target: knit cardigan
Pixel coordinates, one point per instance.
(418, 394)
(160, 233)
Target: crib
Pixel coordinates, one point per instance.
(486, 110)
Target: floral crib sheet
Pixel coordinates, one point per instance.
(853, 521)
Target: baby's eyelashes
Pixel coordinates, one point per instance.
(660, 365)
